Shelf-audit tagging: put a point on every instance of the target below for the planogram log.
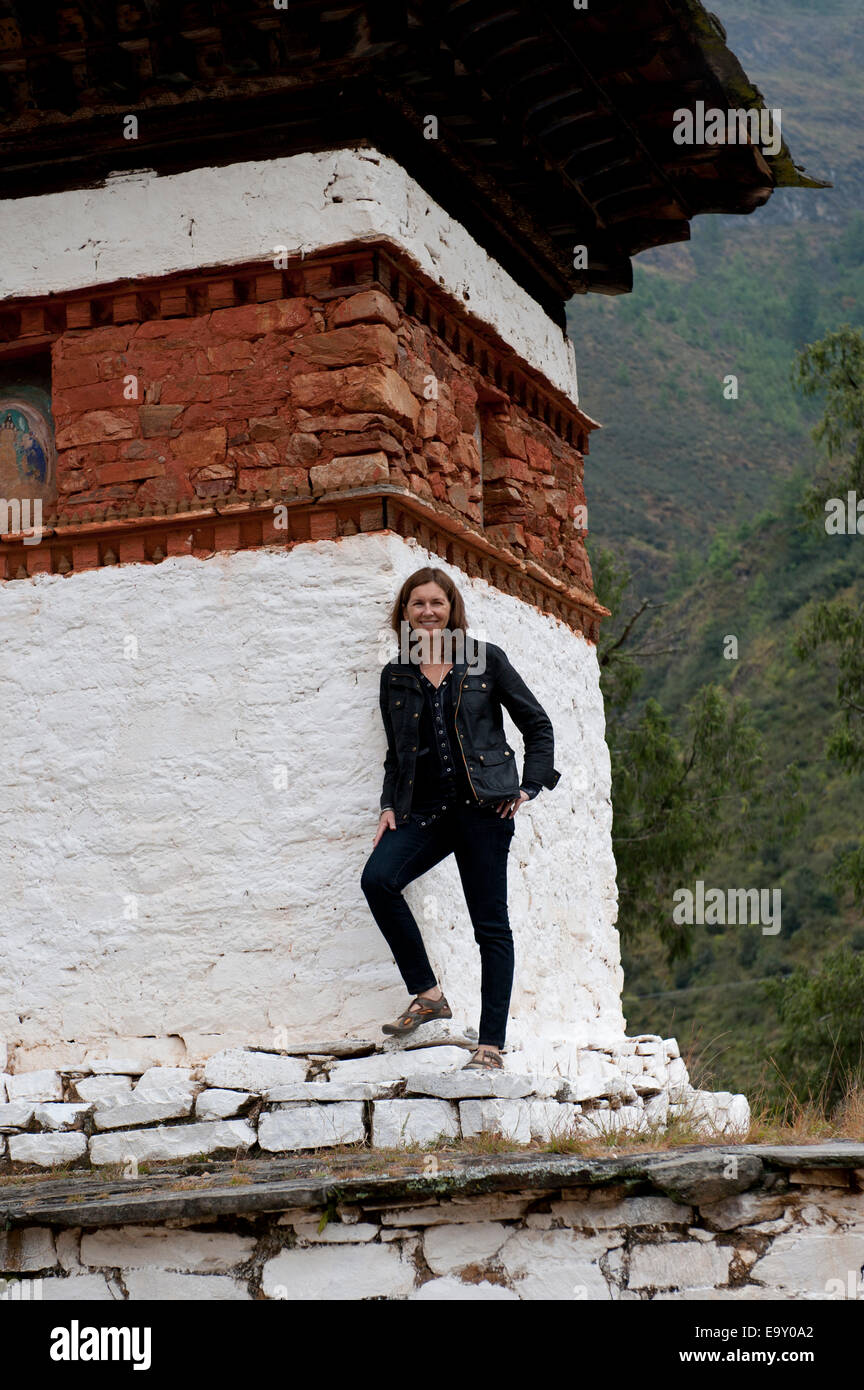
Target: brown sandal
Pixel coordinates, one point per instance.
(483, 1059)
(411, 1019)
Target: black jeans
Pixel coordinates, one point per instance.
(480, 840)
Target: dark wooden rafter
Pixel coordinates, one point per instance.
(554, 124)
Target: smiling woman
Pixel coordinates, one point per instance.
(451, 786)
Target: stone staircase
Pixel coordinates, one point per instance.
(115, 1106)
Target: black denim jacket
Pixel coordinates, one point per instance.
(482, 683)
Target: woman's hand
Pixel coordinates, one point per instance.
(508, 809)
(387, 821)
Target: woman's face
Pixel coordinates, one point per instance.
(428, 607)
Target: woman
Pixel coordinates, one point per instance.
(451, 786)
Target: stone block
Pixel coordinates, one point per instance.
(350, 471)
(35, 1085)
(61, 1115)
(369, 306)
(153, 1284)
(143, 1112)
(334, 1233)
(171, 1141)
(470, 1085)
(679, 1264)
(338, 1273)
(397, 1064)
(144, 1247)
(239, 1069)
(15, 1115)
(552, 1119)
(556, 1265)
(397, 1123)
(447, 1249)
(631, 1212)
(220, 1105)
(453, 1290)
(77, 1288)
(47, 1150)
(808, 1262)
(509, 1118)
(104, 1090)
(27, 1250)
(312, 1126)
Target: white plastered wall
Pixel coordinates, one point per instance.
(193, 765)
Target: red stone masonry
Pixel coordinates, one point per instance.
(319, 397)
(300, 398)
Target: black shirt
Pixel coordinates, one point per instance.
(439, 771)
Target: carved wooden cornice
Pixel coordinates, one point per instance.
(231, 524)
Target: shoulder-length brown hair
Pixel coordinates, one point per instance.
(430, 574)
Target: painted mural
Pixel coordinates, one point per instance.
(27, 454)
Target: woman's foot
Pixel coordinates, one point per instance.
(486, 1057)
(427, 1006)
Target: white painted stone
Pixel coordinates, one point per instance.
(62, 1115)
(16, 1115)
(402, 1122)
(560, 1265)
(447, 1249)
(594, 1078)
(120, 1064)
(35, 1085)
(469, 1085)
(140, 1247)
(83, 1288)
(104, 1090)
(670, 1048)
(679, 1264)
(551, 1119)
(171, 1141)
(164, 1083)
(335, 1232)
(4, 1056)
(179, 1288)
(145, 1112)
(610, 1216)
(805, 1261)
(219, 1104)
(648, 1084)
(328, 1091)
(397, 1065)
(150, 225)
(239, 1070)
(656, 1109)
(27, 1250)
(68, 1242)
(338, 977)
(338, 1272)
(2, 1087)
(509, 1118)
(499, 1206)
(312, 1126)
(627, 1119)
(455, 1291)
(47, 1149)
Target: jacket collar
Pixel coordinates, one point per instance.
(472, 649)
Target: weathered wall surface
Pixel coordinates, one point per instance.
(144, 225)
(302, 397)
(194, 762)
(793, 1235)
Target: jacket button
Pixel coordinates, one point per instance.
(416, 716)
(483, 683)
(414, 748)
(507, 753)
(481, 757)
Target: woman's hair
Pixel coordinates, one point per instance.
(430, 575)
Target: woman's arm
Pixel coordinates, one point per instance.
(391, 762)
(531, 720)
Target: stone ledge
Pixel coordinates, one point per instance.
(267, 1185)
